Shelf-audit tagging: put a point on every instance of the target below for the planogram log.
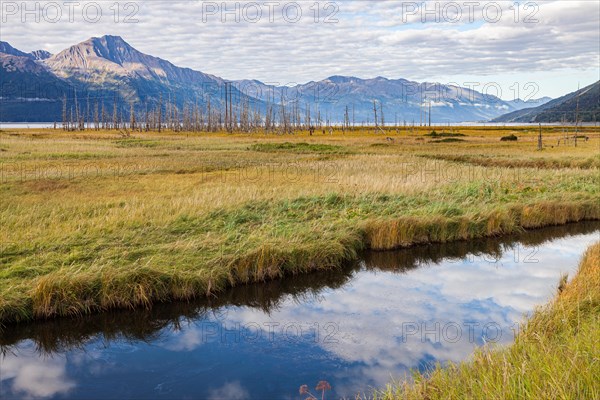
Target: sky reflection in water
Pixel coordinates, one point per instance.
(357, 328)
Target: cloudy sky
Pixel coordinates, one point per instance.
(542, 48)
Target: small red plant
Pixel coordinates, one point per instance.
(322, 386)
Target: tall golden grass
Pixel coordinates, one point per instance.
(93, 221)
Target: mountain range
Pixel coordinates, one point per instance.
(109, 71)
(582, 105)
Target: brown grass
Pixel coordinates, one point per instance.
(92, 221)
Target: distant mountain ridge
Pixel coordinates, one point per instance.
(587, 100)
(110, 71)
(111, 54)
(41, 54)
(399, 100)
(107, 70)
(519, 104)
(29, 90)
(6, 48)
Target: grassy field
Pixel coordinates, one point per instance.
(93, 220)
(556, 356)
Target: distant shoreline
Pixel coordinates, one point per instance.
(50, 125)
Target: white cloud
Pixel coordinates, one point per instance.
(27, 375)
(479, 289)
(370, 312)
(229, 391)
(371, 38)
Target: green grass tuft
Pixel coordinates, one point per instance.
(298, 148)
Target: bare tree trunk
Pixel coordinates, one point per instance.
(375, 112)
(96, 117)
(131, 118)
(104, 117)
(87, 112)
(430, 113)
(159, 122)
(577, 120)
(76, 109)
(115, 113)
(64, 113)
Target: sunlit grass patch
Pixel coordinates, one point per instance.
(299, 148)
(125, 224)
(137, 143)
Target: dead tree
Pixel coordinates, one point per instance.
(577, 119)
(87, 111)
(160, 113)
(115, 124)
(96, 117)
(64, 113)
(132, 118)
(375, 112)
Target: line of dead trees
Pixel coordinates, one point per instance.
(231, 114)
(165, 115)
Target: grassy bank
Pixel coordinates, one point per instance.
(556, 355)
(93, 221)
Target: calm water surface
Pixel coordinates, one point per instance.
(357, 328)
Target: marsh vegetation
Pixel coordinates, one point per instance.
(94, 220)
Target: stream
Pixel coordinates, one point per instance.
(358, 328)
